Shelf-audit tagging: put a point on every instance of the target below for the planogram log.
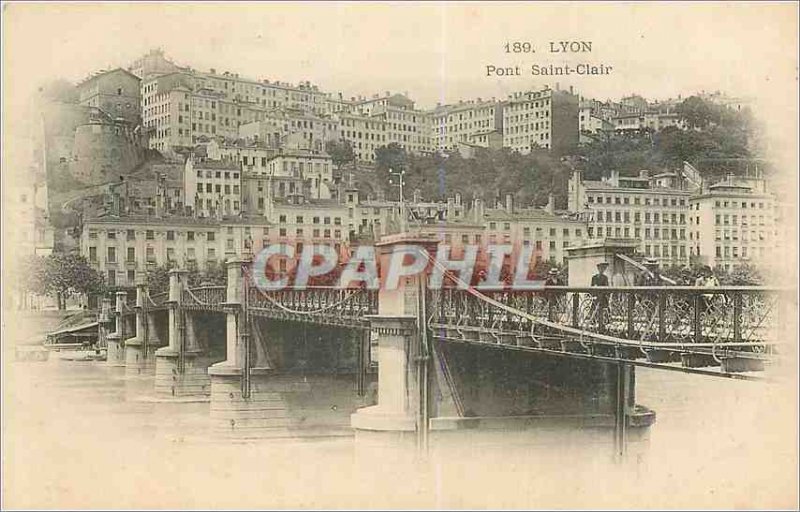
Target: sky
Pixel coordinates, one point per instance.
(437, 52)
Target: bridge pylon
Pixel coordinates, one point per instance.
(140, 350)
(242, 401)
(400, 393)
(180, 371)
(115, 342)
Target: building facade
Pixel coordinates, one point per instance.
(115, 92)
(653, 210)
(544, 119)
(733, 222)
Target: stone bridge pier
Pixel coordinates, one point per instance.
(180, 369)
(140, 350)
(104, 321)
(115, 342)
(428, 380)
(263, 388)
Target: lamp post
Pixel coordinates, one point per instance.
(401, 181)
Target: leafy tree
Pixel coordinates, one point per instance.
(61, 276)
(341, 152)
(158, 279)
(696, 112)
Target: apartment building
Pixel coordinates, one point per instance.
(364, 133)
(466, 122)
(546, 119)
(213, 187)
(115, 92)
(732, 222)
(119, 247)
(296, 128)
(548, 232)
(180, 107)
(406, 126)
(652, 210)
(250, 155)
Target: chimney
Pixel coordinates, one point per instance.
(509, 203)
(614, 179)
(477, 210)
(115, 202)
(550, 207)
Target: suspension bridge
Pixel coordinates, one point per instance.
(414, 359)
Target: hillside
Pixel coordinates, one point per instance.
(717, 142)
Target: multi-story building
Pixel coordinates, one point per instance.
(733, 221)
(546, 119)
(466, 122)
(364, 133)
(153, 63)
(119, 247)
(405, 126)
(213, 187)
(292, 127)
(548, 233)
(252, 155)
(180, 107)
(115, 92)
(653, 210)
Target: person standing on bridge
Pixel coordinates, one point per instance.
(651, 276)
(601, 299)
(553, 278)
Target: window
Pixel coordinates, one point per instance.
(111, 255)
(190, 236)
(93, 254)
(112, 278)
(150, 255)
(149, 235)
(131, 258)
(170, 254)
(170, 235)
(552, 231)
(210, 236)
(131, 276)
(131, 234)
(112, 235)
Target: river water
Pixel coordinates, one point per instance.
(81, 435)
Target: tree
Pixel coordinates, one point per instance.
(61, 276)
(696, 112)
(158, 279)
(341, 152)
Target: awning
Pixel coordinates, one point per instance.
(70, 330)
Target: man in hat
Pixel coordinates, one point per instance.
(601, 299)
(651, 276)
(552, 278)
(600, 278)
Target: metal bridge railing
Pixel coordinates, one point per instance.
(204, 297)
(158, 300)
(316, 304)
(743, 318)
